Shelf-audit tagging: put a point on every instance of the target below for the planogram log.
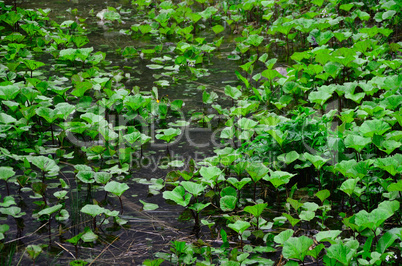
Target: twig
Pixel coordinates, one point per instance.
(60, 245)
(117, 237)
(27, 235)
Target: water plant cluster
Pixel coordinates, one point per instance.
(308, 168)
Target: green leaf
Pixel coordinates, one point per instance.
(332, 68)
(316, 160)
(294, 203)
(341, 253)
(178, 195)
(278, 178)
(254, 40)
(319, 97)
(33, 251)
(306, 215)
(323, 194)
(7, 119)
(328, 236)
(149, 206)
(256, 170)
(102, 177)
(116, 188)
(371, 127)
(256, 210)
(232, 92)
(193, 188)
(356, 142)
(155, 262)
(199, 206)
(218, 29)
(238, 184)
(89, 236)
(395, 186)
(228, 203)
(81, 88)
(283, 236)
(12, 211)
(86, 177)
(292, 221)
(211, 173)
(46, 164)
(92, 210)
(6, 172)
(297, 247)
(239, 226)
(289, 157)
(388, 239)
(168, 134)
(50, 210)
(348, 186)
(9, 92)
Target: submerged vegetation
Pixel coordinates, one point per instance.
(306, 131)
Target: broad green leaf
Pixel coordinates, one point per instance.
(102, 177)
(50, 210)
(149, 206)
(256, 210)
(9, 92)
(294, 203)
(395, 186)
(283, 236)
(289, 157)
(371, 127)
(86, 177)
(233, 92)
(168, 134)
(239, 226)
(256, 170)
(12, 211)
(297, 247)
(332, 68)
(46, 164)
(193, 188)
(388, 239)
(341, 253)
(328, 236)
(292, 221)
(323, 194)
(238, 184)
(348, 186)
(218, 29)
(92, 210)
(356, 142)
(6, 172)
(228, 203)
(278, 178)
(116, 188)
(178, 195)
(316, 160)
(89, 236)
(306, 215)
